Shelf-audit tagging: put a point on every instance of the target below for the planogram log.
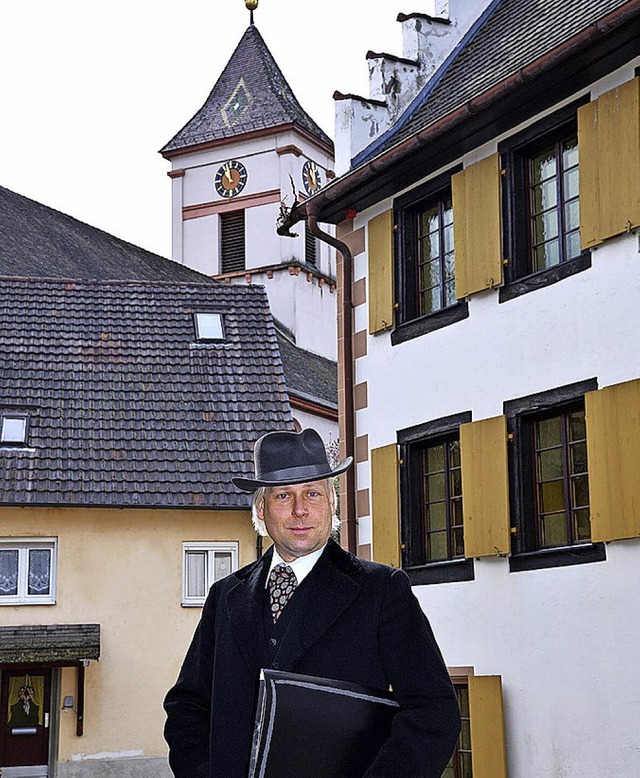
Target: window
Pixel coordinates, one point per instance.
(434, 235)
(232, 242)
(13, 431)
(542, 204)
(561, 490)
(310, 246)
(441, 504)
(425, 261)
(460, 763)
(209, 326)
(27, 572)
(549, 474)
(203, 564)
(554, 205)
(431, 502)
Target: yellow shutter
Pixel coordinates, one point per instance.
(384, 505)
(613, 451)
(609, 145)
(485, 487)
(476, 227)
(488, 751)
(380, 253)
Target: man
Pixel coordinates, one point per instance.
(307, 606)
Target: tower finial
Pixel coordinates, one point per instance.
(251, 6)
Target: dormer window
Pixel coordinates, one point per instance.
(209, 326)
(13, 431)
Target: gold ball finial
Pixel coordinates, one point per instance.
(251, 5)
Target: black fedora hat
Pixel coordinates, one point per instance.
(282, 458)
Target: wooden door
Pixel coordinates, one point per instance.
(25, 703)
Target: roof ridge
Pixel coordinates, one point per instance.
(57, 280)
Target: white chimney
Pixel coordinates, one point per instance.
(428, 38)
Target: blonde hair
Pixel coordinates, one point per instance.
(258, 501)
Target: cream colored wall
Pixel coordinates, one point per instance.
(123, 570)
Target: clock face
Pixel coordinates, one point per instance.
(231, 178)
(311, 177)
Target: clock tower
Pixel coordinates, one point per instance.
(249, 148)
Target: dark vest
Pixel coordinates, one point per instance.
(275, 632)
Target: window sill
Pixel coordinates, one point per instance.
(557, 557)
(434, 321)
(544, 278)
(441, 572)
(4, 601)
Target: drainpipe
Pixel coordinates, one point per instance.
(345, 334)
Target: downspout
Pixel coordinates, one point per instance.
(345, 334)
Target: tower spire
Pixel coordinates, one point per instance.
(251, 5)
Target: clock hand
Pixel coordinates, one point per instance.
(228, 174)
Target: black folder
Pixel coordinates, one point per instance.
(317, 728)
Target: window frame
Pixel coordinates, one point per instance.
(410, 323)
(515, 153)
(521, 413)
(196, 326)
(461, 683)
(23, 546)
(412, 442)
(211, 547)
(9, 416)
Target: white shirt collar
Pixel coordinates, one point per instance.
(301, 566)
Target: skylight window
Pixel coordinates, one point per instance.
(14, 430)
(209, 326)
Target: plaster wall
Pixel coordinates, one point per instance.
(262, 176)
(123, 570)
(304, 307)
(263, 244)
(201, 240)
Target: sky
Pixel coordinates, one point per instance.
(90, 91)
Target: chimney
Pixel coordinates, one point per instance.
(395, 81)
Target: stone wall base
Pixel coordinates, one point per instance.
(151, 767)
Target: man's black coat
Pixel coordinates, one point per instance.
(354, 621)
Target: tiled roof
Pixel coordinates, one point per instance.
(49, 643)
(263, 95)
(509, 35)
(36, 240)
(309, 376)
(125, 408)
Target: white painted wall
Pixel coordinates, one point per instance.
(304, 307)
(199, 237)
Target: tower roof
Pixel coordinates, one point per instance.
(251, 95)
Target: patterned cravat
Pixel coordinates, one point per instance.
(282, 582)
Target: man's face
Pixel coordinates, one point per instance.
(298, 518)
